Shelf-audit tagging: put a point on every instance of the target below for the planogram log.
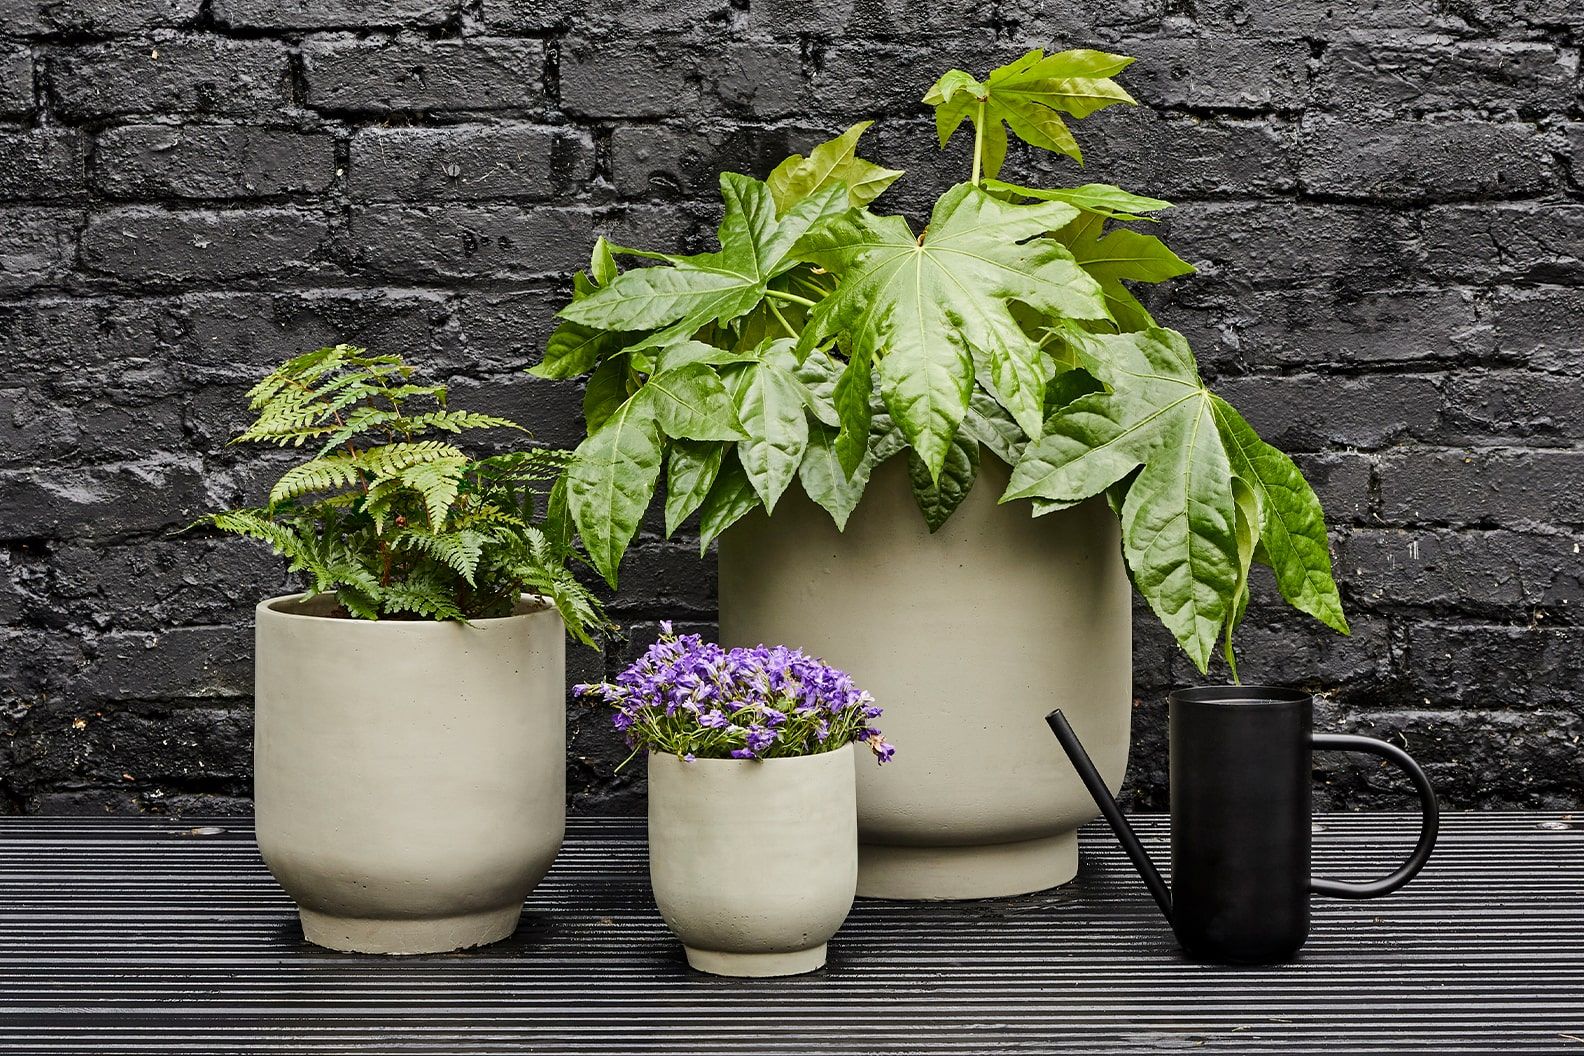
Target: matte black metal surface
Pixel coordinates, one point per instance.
(148, 936)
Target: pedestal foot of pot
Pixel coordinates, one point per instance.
(757, 965)
(431, 935)
(983, 871)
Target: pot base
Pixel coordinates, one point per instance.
(434, 935)
(996, 870)
(756, 965)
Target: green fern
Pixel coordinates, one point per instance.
(394, 521)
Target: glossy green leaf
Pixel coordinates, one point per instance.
(605, 391)
(819, 372)
(678, 300)
(1029, 96)
(827, 482)
(938, 499)
(1118, 255)
(990, 424)
(773, 411)
(574, 349)
(1246, 503)
(1292, 533)
(833, 162)
(917, 307)
(1178, 521)
(1099, 198)
(730, 500)
(690, 403)
(691, 469)
(611, 482)
(602, 266)
(854, 404)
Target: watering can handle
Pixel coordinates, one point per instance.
(1345, 742)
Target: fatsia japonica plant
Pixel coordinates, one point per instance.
(393, 517)
(824, 338)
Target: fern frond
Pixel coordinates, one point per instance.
(438, 482)
(391, 459)
(422, 598)
(457, 421)
(256, 524)
(460, 551)
(321, 474)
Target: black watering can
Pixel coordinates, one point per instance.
(1241, 820)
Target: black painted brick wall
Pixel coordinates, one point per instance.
(1383, 197)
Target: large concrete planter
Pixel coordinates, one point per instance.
(753, 862)
(967, 638)
(410, 778)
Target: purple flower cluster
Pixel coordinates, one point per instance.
(693, 698)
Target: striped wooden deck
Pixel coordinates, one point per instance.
(161, 936)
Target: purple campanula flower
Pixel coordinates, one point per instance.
(682, 695)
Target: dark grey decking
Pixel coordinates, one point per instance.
(149, 936)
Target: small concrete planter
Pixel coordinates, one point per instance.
(754, 862)
(410, 777)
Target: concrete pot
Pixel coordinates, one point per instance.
(409, 778)
(753, 862)
(967, 638)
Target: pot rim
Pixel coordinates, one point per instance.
(273, 609)
(848, 747)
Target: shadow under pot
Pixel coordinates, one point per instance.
(409, 777)
(754, 862)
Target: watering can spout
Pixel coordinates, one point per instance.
(1113, 813)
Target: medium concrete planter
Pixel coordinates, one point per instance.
(967, 638)
(753, 862)
(409, 777)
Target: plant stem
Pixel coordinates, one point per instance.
(782, 295)
(790, 332)
(979, 121)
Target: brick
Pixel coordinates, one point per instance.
(158, 248)
(118, 347)
(1278, 645)
(125, 746)
(1386, 79)
(657, 161)
(16, 82)
(211, 161)
(165, 492)
(657, 78)
(761, 80)
(37, 247)
(467, 162)
(333, 14)
(1327, 20)
(1483, 487)
(1308, 412)
(184, 73)
(1502, 759)
(1491, 573)
(1176, 157)
(42, 164)
(1463, 664)
(551, 411)
(1217, 71)
(182, 663)
(492, 333)
(93, 17)
(1512, 403)
(463, 242)
(153, 585)
(380, 75)
(236, 337)
(1340, 329)
(1539, 327)
(1422, 160)
(874, 80)
(1341, 481)
(1282, 244)
(622, 17)
(1532, 242)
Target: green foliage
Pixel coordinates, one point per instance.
(823, 338)
(397, 523)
